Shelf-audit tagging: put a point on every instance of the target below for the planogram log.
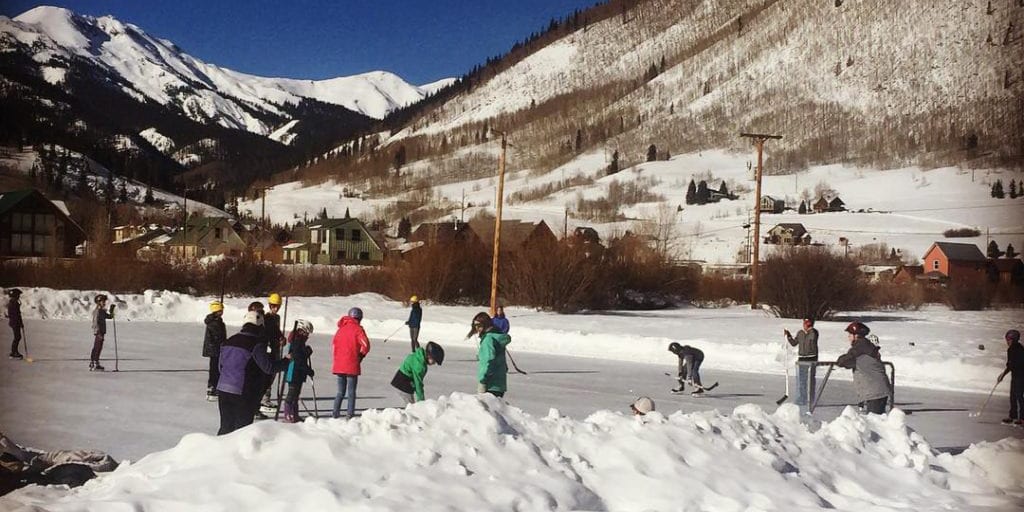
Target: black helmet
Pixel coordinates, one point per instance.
(857, 328)
(101, 298)
(674, 347)
(13, 292)
(1013, 335)
(435, 352)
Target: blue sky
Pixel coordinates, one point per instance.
(420, 40)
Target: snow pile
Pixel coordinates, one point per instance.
(466, 452)
(923, 345)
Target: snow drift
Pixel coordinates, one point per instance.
(467, 452)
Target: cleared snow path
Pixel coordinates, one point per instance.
(159, 394)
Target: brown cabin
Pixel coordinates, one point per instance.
(33, 226)
(907, 274)
(515, 234)
(955, 262)
(1006, 270)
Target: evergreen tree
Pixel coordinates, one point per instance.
(122, 193)
(323, 213)
(703, 194)
(347, 216)
(404, 228)
(149, 199)
(997, 189)
(579, 139)
(613, 167)
(399, 160)
(1010, 251)
(691, 193)
(993, 250)
(1013, 189)
(652, 153)
(803, 207)
(724, 190)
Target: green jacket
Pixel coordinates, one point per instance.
(415, 367)
(492, 370)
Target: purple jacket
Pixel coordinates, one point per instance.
(244, 361)
(14, 314)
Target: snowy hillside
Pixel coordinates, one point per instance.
(96, 177)
(907, 209)
(149, 68)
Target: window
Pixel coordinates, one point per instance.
(356, 235)
(21, 222)
(340, 255)
(364, 255)
(21, 244)
(935, 264)
(218, 233)
(44, 223)
(339, 234)
(314, 236)
(43, 244)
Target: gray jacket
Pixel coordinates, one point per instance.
(868, 372)
(99, 320)
(807, 343)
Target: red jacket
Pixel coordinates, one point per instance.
(350, 346)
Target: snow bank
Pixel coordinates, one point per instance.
(934, 348)
(467, 452)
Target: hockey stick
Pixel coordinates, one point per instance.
(280, 385)
(312, 384)
(393, 333)
(24, 338)
(514, 365)
(785, 365)
(821, 389)
(972, 415)
(113, 321)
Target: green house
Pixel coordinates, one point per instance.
(344, 242)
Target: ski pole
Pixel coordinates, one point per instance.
(24, 338)
(280, 383)
(312, 384)
(972, 415)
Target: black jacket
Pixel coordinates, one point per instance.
(1015, 359)
(272, 330)
(14, 314)
(216, 333)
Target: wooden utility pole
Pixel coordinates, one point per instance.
(184, 226)
(263, 207)
(497, 226)
(759, 140)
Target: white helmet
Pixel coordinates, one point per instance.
(305, 326)
(643, 405)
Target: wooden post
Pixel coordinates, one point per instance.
(184, 226)
(759, 140)
(497, 227)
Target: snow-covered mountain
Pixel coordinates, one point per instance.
(153, 69)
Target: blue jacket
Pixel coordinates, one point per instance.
(244, 362)
(415, 316)
(299, 367)
(500, 323)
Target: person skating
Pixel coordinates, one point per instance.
(350, 346)
(806, 341)
(415, 317)
(216, 333)
(244, 365)
(688, 367)
(275, 341)
(298, 369)
(1015, 367)
(869, 378)
(408, 379)
(492, 370)
(15, 321)
(500, 321)
(100, 315)
(641, 406)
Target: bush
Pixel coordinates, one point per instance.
(811, 282)
(718, 289)
(964, 296)
(961, 233)
(887, 295)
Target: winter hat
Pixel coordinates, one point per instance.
(255, 306)
(1013, 335)
(305, 326)
(216, 306)
(436, 352)
(14, 292)
(857, 328)
(642, 405)
(674, 347)
(356, 314)
(253, 317)
(100, 298)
